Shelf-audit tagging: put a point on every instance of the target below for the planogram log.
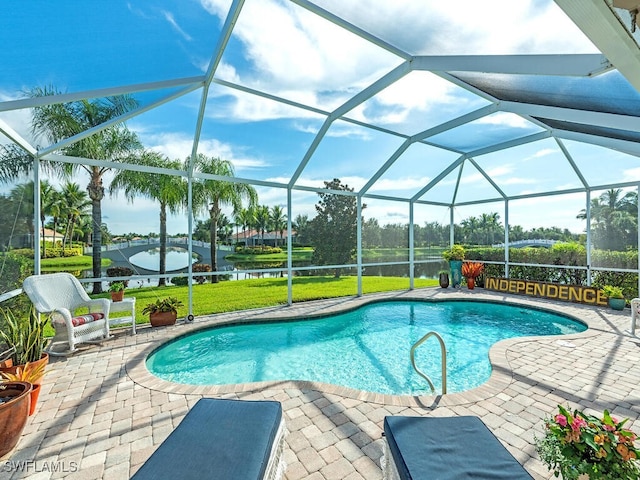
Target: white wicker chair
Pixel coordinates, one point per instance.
(61, 295)
(635, 314)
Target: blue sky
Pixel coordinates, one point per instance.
(285, 50)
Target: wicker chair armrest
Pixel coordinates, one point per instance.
(101, 305)
(65, 313)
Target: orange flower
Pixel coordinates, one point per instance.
(602, 453)
(599, 439)
(622, 450)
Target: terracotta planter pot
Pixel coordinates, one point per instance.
(471, 283)
(34, 394)
(162, 319)
(117, 296)
(44, 359)
(13, 413)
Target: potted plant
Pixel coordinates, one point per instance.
(31, 373)
(443, 278)
(581, 446)
(163, 311)
(471, 271)
(116, 289)
(455, 256)
(14, 411)
(615, 296)
(25, 336)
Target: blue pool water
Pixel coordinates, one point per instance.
(366, 349)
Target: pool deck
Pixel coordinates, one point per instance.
(101, 414)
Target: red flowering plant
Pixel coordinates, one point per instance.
(584, 447)
(472, 269)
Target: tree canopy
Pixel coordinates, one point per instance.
(333, 229)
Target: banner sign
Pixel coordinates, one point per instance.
(554, 291)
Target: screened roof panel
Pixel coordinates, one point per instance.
(284, 61)
(416, 102)
(442, 192)
(592, 130)
(414, 169)
(310, 91)
(531, 168)
(609, 92)
(493, 129)
(266, 141)
(444, 28)
(590, 159)
(474, 185)
(354, 152)
(81, 46)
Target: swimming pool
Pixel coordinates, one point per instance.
(365, 349)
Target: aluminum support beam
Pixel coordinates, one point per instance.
(412, 272)
(289, 251)
(602, 27)
(359, 243)
(586, 117)
(581, 65)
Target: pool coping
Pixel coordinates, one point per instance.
(502, 375)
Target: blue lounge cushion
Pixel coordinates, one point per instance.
(218, 438)
(448, 448)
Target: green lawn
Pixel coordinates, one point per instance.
(297, 255)
(82, 262)
(265, 292)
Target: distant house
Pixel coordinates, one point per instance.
(50, 235)
(253, 238)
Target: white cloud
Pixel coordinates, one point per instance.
(396, 184)
(172, 21)
(506, 119)
(179, 146)
(544, 152)
(467, 26)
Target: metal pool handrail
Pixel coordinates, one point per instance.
(444, 360)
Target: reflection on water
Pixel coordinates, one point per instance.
(177, 259)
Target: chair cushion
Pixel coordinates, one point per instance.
(448, 448)
(218, 439)
(88, 318)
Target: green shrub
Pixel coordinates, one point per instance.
(567, 254)
(261, 250)
(120, 272)
(201, 267)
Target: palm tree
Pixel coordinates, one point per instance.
(64, 120)
(470, 229)
(263, 220)
(243, 220)
(301, 225)
(225, 229)
(212, 195)
(615, 219)
(75, 204)
(169, 190)
(278, 221)
(22, 196)
(47, 199)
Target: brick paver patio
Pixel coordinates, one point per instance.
(101, 414)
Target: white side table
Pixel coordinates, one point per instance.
(128, 304)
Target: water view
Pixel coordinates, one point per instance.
(177, 259)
